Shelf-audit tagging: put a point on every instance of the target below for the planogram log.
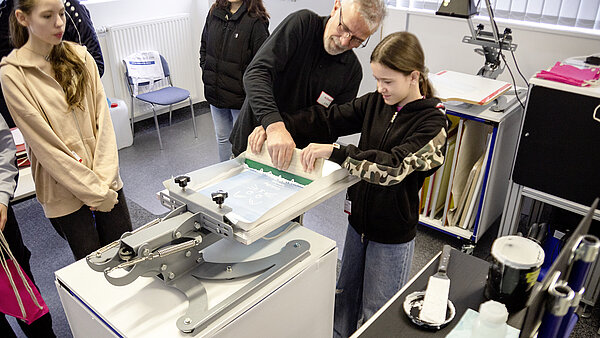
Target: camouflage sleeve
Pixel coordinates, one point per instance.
(428, 157)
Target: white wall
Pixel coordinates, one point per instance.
(440, 36)
(115, 12)
(279, 9)
(441, 39)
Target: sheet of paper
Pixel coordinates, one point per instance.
(252, 193)
(455, 86)
(17, 136)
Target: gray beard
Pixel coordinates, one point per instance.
(332, 48)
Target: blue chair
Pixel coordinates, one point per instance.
(166, 96)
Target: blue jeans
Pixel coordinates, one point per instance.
(371, 274)
(223, 119)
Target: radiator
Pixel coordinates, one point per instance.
(170, 36)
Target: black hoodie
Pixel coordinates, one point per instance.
(396, 152)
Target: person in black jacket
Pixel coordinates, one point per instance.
(79, 28)
(307, 60)
(403, 138)
(233, 33)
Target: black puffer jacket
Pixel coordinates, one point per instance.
(80, 28)
(229, 42)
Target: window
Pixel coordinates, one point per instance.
(571, 13)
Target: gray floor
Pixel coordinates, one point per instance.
(144, 167)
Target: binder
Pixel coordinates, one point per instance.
(440, 199)
(474, 197)
(22, 159)
(443, 173)
(448, 203)
(431, 183)
(454, 217)
(473, 145)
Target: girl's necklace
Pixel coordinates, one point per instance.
(46, 57)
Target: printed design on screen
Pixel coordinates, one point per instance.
(252, 193)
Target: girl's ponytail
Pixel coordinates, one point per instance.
(402, 52)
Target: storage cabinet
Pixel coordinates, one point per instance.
(557, 160)
(493, 139)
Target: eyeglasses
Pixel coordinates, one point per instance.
(347, 33)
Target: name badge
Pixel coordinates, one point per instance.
(325, 100)
(348, 207)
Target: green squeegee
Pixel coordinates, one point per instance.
(284, 174)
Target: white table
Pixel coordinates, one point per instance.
(298, 303)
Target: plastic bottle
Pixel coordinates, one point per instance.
(491, 322)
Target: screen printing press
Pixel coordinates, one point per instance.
(226, 261)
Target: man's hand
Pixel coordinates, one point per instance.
(281, 145)
(3, 216)
(257, 139)
(310, 154)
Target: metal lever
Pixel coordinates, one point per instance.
(160, 253)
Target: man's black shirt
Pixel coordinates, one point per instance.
(290, 72)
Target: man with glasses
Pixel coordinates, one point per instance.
(306, 61)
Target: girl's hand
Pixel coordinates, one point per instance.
(108, 204)
(256, 139)
(310, 154)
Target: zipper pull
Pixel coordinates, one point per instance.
(394, 117)
(79, 159)
(362, 238)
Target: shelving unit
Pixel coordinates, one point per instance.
(556, 162)
(498, 160)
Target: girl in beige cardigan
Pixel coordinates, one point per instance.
(54, 94)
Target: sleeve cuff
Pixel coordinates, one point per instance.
(4, 198)
(338, 155)
(270, 119)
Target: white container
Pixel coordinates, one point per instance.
(119, 114)
(491, 322)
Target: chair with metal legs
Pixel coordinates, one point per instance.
(166, 96)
